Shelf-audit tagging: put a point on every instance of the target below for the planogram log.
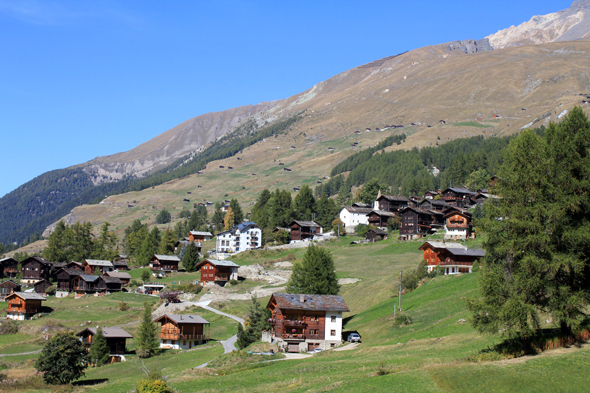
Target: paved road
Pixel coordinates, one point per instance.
(229, 345)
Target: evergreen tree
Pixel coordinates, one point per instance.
(371, 190)
(163, 217)
(234, 205)
(58, 244)
(99, 350)
(315, 274)
(537, 252)
(228, 222)
(279, 208)
(106, 247)
(304, 204)
(190, 258)
(147, 251)
(218, 217)
(243, 338)
(327, 212)
(63, 359)
(82, 241)
(166, 246)
(147, 337)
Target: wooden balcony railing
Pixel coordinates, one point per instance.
(172, 335)
(293, 336)
(222, 277)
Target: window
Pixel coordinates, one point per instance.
(332, 332)
(333, 319)
(314, 318)
(314, 331)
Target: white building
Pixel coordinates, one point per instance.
(243, 237)
(352, 216)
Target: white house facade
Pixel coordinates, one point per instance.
(352, 216)
(243, 237)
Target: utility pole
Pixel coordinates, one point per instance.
(400, 291)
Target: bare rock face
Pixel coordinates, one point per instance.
(470, 46)
(567, 25)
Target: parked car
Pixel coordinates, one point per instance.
(317, 350)
(354, 338)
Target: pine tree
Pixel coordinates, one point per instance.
(190, 258)
(147, 337)
(58, 244)
(217, 218)
(304, 204)
(99, 350)
(234, 205)
(315, 274)
(167, 242)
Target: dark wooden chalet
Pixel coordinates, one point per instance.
(305, 322)
(391, 203)
(433, 204)
(458, 196)
(379, 218)
(91, 265)
(303, 230)
(111, 284)
(8, 287)
(8, 268)
(23, 305)
(419, 222)
(35, 269)
(197, 236)
(430, 194)
(457, 223)
(120, 265)
(116, 339)
(216, 271)
(41, 286)
(180, 331)
(375, 234)
(65, 278)
(164, 263)
(85, 284)
(124, 277)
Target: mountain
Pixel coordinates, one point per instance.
(567, 25)
(437, 93)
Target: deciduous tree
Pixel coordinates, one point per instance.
(63, 359)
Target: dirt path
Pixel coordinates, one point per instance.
(22, 353)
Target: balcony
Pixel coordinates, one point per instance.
(176, 335)
(222, 277)
(288, 322)
(294, 336)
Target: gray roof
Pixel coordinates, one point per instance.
(474, 252)
(382, 213)
(398, 198)
(29, 295)
(198, 233)
(99, 262)
(444, 245)
(354, 209)
(218, 262)
(173, 258)
(307, 223)
(291, 301)
(89, 277)
(7, 259)
(111, 280)
(72, 272)
(183, 318)
(109, 332)
(122, 275)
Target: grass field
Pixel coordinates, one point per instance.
(430, 354)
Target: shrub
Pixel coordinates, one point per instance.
(382, 369)
(402, 319)
(123, 306)
(51, 290)
(134, 283)
(8, 327)
(409, 281)
(233, 282)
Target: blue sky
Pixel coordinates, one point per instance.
(81, 79)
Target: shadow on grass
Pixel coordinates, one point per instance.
(90, 382)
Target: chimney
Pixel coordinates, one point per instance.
(302, 298)
(181, 317)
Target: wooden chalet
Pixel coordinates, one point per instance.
(9, 287)
(123, 276)
(379, 218)
(111, 284)
(301, 323)
(391, 203)
(375, 234)
(90, 266)
(458, 196)
(430, 194)
(120, 265)
(164, 263)
(457, 223)
(41, 286)
(116, 339)
(65, 278)
(197, 236)
(459, 260)
(217, 271)
(433, 252)
(153, 288)
(180, 331)
(433, 204)
(8, 268)
(35, 269)
(418, 222)
(86, 284)
(304, 230)
(23, 305)
(55, 268)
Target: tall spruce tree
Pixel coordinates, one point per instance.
(191, 257)
(538, 248)
(304, 204)
(315, 274)
(147, 337)
(236, 208)
(99, 350)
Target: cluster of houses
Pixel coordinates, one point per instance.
(419, 216)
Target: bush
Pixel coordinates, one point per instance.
(402, 319)
(123, 306)
(153, 383)
(163, 217)
(394, 223)
(409, 281)
(8, 327)
(51, 290)
(382, 369)
(361, 229)
(134, 283)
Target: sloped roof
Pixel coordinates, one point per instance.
(38, 259)
(10, 281)
(198, 233)
(172, 258)
(377, 231)
(360, 210)
(474, 252)
(28, 295)
(381, 213)
(99, 262)
(183, 318)
(397, 198)
(306, 223)
(119, 275)
(7, 259)
(454, 210)
(218, 262)
(460, 190)
(72, 272)
(111, 280)
(88, 277)
(109, 332)
(435, 244)
(245, 225)
(291, 301)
